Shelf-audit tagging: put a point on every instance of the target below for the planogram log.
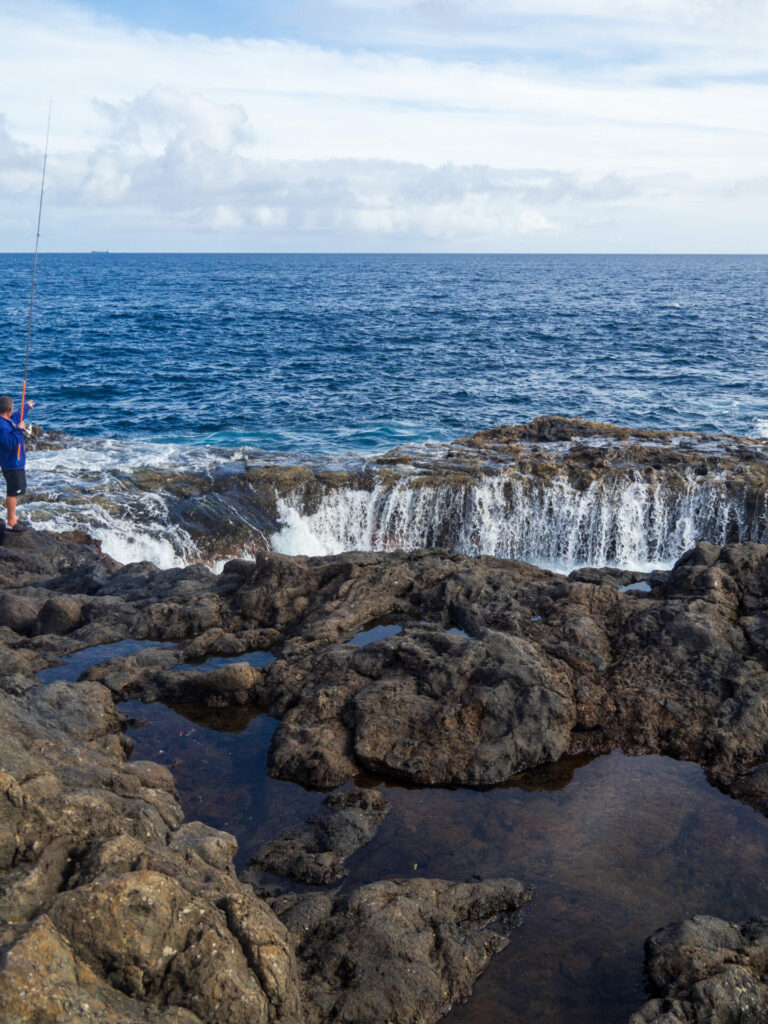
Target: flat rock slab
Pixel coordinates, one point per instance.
(315, 851)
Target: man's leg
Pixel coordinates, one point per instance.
(10, 504)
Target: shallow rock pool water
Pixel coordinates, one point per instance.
(616, 847)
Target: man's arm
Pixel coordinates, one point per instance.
(19, 420)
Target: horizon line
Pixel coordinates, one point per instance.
(352, 252)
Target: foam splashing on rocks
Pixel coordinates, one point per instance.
(631, 525)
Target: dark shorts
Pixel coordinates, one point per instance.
(15, 482)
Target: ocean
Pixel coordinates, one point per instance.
(188, 361)
(199, 407)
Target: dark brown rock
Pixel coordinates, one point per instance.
(42, 982)
(126, 913)
(706, 969)
(752, 787)
(134, 675)
(60, 614)
(129, 914)
(17, 613)
(397, 950)
(547, 666)
(150, 938)
(315, 851)
(238, 683)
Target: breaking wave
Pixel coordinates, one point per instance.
(88, 485)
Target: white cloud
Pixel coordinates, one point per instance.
(532, 220)
(225, 218)
(691, 10)
(151, 119)
(265, 143)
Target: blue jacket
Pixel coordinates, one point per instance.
(12, 452)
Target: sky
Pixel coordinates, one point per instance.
(385, 125)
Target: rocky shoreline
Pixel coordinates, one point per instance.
(565, 491)
(115, 909)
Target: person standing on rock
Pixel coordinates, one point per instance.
(13, 456)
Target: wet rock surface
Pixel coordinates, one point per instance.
(113, 908)
(93, 847)
(315, 851)
(127, 913)
(725, 477)
(397, 950)
(445, 495)
(706, 969)
(542, 665)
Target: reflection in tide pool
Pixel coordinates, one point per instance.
(616, 847)
(219, 760)
(73, 665)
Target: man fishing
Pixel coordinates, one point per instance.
(13, 456)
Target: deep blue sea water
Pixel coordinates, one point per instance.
(312, 353)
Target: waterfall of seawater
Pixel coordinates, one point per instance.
(630, 523)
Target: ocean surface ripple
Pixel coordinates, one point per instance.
(324, 354)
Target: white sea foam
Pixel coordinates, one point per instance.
(150, 538)
(627, 522)
(630, 525)
(85, 485)
(93, 457)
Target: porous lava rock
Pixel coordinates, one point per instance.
(17, 613)
(128, 913)
(113, 909)
(707, 970)
(60, 614)
(498, 666)
(397, 950)
(543, 665)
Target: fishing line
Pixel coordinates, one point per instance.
(34, 272)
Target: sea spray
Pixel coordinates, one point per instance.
(86, 484)
(145, 534)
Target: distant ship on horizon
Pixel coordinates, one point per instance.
(99, 251)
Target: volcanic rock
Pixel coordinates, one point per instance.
(17, 613)
(547, 665)
(437, 496)
(396, 950)
(315, 851)
(133, 675)
(114, 910)
(498, 666)
(126, 913)
(706, 969)
(752, 787)
(60, 614)
(238, 683)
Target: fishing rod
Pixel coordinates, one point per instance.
(34, 275)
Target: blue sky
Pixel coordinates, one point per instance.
(445, 29)
(218, 18)
(387, 125)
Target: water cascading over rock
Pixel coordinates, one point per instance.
(627, 523)
(556, 492)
